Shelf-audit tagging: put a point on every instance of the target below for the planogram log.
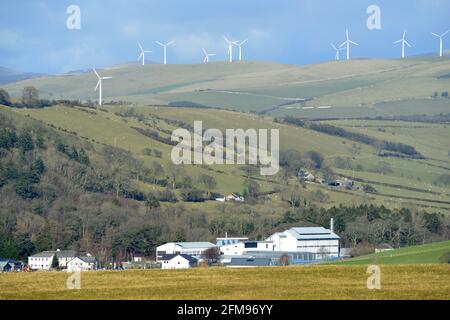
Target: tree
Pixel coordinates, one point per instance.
(316, 158)
(4, 97)
(284, 260)
(55, 262)
(211, 255)
(207, 181)
(251, 189)
(151, 202)
(25, 141)
(30, 96)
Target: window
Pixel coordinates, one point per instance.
(251, 245)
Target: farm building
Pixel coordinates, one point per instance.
(229, 240)
(245, 247)
(82, 263)
(324, 243)
(194, 249)
(177, 261)
(7, 265)
(43, 260)
(249, 262)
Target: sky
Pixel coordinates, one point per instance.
(34, 36)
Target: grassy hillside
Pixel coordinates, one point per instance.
(308, 282)
(334, 89)
(427, 253)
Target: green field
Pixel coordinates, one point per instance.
(428, 253)
(350, 88)
(301, 282)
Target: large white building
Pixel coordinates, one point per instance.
(246, 247)
(324, 243)
(194, 249)
(43, 260)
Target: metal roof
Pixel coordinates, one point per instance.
(59, 254)
(194, 245)
(248, 261)
(312, 233)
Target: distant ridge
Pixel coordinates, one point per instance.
(8, 75)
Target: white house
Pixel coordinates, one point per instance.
(177, 261)
(324, 243)
(82, 263)
(43, 260)
(194, 249)
(235, 197)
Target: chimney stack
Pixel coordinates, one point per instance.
(332, 225)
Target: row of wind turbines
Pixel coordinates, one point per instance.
(238, 43)
(230, 44)
(403, 41)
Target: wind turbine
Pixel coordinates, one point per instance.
(99, 86)
(337, 56)
(230, 47)
(207, 55)
(239, 44)
(403, 42)
(440, 40)
(143, 52)
(165, 49)
(348, 42)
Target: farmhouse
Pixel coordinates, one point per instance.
(43, 260)
(177, 261)
(82, 263)
(194, 249)
(324, 243)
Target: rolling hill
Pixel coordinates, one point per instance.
(335, 89)
(423, 254)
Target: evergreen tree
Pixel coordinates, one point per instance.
(55, 262)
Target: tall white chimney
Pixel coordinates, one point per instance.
(332, 225)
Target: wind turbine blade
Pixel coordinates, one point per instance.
(333, 46)
(244, 41)
(160, 43)
(404, 34)
(169, 43)
(445, 33)
(140, 47)
(98, 83)
(398, 41)
(354, 43)
(96, 72)
(104, 78)
(343, 44)
(436, 35)
(226, 39)
(204, 51)
(346, 33)
(407, 43)
(148, 51)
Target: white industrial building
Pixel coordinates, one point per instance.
(194, 249)
(323, 243)
(246, 247)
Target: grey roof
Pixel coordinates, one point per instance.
(186, 256)
(88, 259)
(251, 262)
(311, 233)
(193, 245)
(59, 254)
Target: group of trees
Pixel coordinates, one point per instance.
(354, 136)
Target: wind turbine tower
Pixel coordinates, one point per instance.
(347, 43)
(337, 55)
(207, 55)
(403, 42)
(230, 47)
(440, 40)
(239, 44)
(165, 49)
(143, 52)
(99, 86)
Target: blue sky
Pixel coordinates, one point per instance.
(34, 37)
